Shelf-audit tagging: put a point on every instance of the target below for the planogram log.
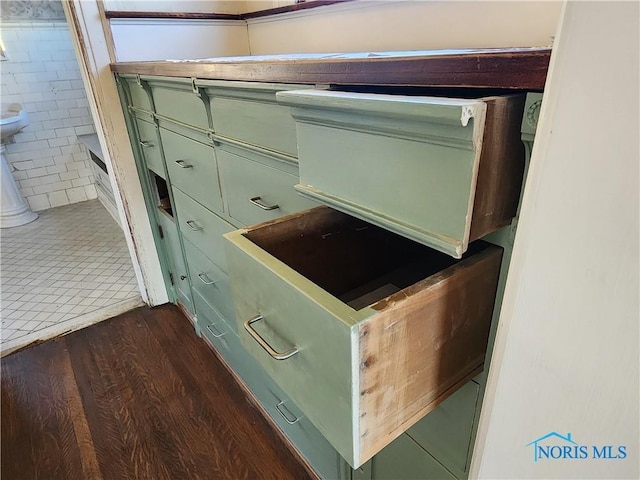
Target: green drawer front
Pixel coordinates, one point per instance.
(202, 227)
(318, 377)
(138, 97)
(216, 329)
(262, 124)
(193, 168)
(179, 103)
(306, 438)
(210, 282)
(446, 432)
(171, 242)
(244, 180)
(405, 460)
(407, 164)
(150, 146)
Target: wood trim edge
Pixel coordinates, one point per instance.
(291, 8)
(110, 14)
(220, 16)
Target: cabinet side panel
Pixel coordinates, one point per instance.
(424, 344)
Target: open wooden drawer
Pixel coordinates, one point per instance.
(441, 171)
(365, 330)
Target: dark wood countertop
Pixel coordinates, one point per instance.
(512, 68)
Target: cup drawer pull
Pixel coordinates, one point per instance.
(286, 414)
(263, 343)
(145, 144)
(183, 164)
(214, 331)
(194, 226)
(257, 201)
(205, 279)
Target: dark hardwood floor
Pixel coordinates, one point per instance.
(135, 397)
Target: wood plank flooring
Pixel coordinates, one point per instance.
(135, 397)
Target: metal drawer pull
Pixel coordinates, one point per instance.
(183, 164)
(257, 201)
(205, 279)
(214, 331)
(194, 226)
(262, 342)
(144, 143)
(286, 414)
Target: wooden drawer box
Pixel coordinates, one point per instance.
(202, 227)
(248, 112)
(255, 190)
(365, 330)
(149, 143)
(441, 171)
(193, 168)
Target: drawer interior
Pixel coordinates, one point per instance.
(357, 262)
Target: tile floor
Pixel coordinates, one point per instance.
(61, 271)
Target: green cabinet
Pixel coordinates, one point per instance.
(201, 184)
(383, 330)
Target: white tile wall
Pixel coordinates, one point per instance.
(49, 164)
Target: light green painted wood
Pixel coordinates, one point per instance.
(244, 179)
(306, 438)
(211, 283)
(407, 164)
(149, 145)
(143, 175)
(209, 238)
(171, 242)
(446, 432)
(403, 459)
(318, 377)
(197, 134)
(216, 329)
(362, 473)
(175, 99)
(193, 168)
(249, 112)
(138, 96)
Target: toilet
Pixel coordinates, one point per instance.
(14, 211)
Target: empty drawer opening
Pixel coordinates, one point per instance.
(355, 261)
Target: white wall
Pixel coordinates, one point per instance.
(199, 6)
(160, 39)
(567, 350)
(49, 164)
(371, 25)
